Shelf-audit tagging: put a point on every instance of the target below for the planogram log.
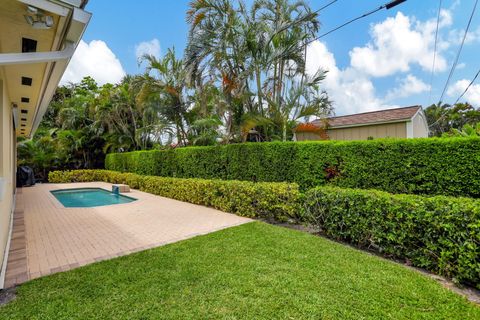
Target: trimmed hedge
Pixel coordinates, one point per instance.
(279, 201)
(440, 234)
(446, 166)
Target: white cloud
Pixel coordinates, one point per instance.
(94, 59)
(455, 36)
(410, 85)
(151, 47)
(472, 96)
(397, 43)
(350, 90)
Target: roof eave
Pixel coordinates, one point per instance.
(53, 75)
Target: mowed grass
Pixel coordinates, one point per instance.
(254, 271)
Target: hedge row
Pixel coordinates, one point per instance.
(411, 166)
(440, 234)
(279, 201)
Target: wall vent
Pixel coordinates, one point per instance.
(26, 81)
(29, 45)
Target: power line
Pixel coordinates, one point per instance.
(306, 16)
(326, 6)
(387, 6)
(434, 52)
(468, 87)
(454, 66)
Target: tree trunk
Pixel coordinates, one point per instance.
(259, 90)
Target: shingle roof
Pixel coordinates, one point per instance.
(372, 117)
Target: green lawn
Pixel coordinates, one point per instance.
(255, 271)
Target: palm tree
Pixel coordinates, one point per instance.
(216, 52)
(262, 48)
(41, 154)
(304, 99)
(166, 89)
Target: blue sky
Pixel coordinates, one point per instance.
(378, 62)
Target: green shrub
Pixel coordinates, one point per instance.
(279, 201)
(412, 166)
(440, 234)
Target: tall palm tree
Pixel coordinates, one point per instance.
(216, 51)
(262, 48)
(164, 86)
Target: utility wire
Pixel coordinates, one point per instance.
(306, 16)
(326, 6)
(468, 87)
(434, 52)
(387, 6)
(454, 66)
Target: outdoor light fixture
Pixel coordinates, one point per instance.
(32, 10)
(37, 19)
(30, 20)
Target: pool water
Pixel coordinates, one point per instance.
(89, 197)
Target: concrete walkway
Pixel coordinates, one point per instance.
(49, 238)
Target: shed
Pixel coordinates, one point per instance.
(408, 122)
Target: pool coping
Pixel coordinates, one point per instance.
(57, 204)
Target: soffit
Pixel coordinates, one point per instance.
(14, 27)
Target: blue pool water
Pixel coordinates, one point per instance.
(89, 197)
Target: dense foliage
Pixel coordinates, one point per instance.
(466, 131)
(69, 136)
(279, 201)
(446, 166)
(445, 118)
(439, 233)
(242, 77)
(256, 57)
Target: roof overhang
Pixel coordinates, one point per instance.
(45, 66)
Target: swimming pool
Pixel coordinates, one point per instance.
(89, 197)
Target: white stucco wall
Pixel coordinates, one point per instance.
(7, 172)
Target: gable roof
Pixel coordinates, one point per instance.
(390, 115)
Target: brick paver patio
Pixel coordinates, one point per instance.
(49, 238)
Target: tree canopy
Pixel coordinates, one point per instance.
(241, 78)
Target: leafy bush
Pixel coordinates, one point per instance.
(433, 166)
(279, 201)
(440, 234)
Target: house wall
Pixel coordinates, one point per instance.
(307, 136)
(420, 126)
(7, 170)
(391, 130)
